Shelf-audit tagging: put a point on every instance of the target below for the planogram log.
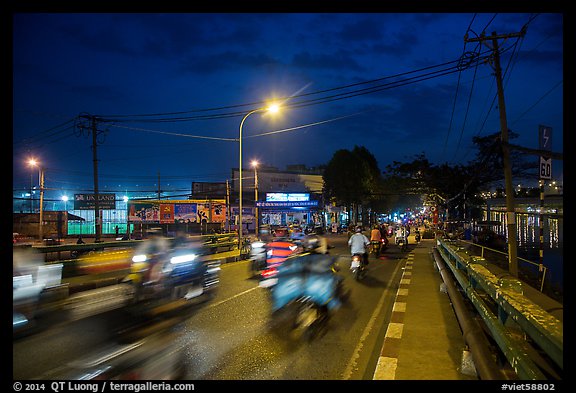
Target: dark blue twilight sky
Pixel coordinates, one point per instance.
(172, 89)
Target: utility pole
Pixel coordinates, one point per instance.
(93, 128)
(41, 217)
(159, 186)
(98, 222)
(227, 206)
(510, 208)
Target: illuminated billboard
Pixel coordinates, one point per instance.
(287, 197)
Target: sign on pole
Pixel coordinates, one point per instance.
(545, 168)
(545, 142)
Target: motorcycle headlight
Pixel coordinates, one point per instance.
(139, 258)
(183, 258)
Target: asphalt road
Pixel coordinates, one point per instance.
(232, 337)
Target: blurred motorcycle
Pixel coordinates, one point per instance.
(37, 290)
(257, 257)
(401, 242)
(150, 351)
(180, 273)
(358, 267)
(306, 293)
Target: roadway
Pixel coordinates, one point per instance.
(398, 324)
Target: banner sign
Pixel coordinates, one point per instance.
(287, 204)
(88, 201)
(185, 213)
(143, 212)
(166, 213)
(218, 212)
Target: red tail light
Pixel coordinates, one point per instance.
(269, 273)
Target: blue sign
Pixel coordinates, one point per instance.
(287, 204)
(287, 196)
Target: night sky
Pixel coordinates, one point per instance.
(171, 90)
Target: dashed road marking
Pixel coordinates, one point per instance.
(388, 360)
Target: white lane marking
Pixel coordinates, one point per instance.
(231, 297)
(367, 330)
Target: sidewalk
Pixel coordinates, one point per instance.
(423, 340)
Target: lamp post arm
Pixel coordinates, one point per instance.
(240, 176)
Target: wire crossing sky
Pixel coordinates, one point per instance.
(169, 90)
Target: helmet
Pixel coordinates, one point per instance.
(358, 229)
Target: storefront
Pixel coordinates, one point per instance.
(286, 209)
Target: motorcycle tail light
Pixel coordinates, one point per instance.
(269, 273)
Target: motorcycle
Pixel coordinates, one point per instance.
(306, 293)
(257, 257)
(37, 290)
(402, 243)
(377, 247)
(358, 267)
(137, 349)
(277, 252)
(177, 274)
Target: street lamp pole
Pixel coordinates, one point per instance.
(41, 218)
(256, 211)
(240, 177)
(33, 163)
(272, 108)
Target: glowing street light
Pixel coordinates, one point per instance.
(33, 163)
(65, 199)
(272, 109)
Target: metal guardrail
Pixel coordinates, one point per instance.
(478, 281)
(222, 246)
(482, 254)
(213, 241)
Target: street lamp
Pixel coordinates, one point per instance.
(34, 163)
(65, 200)
(256, 212)
(272, 109)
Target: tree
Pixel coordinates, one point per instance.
(352, 178)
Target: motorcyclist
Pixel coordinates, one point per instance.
(314, 271)
(417, 235)
(358, 243)
(402, 234)
(376, 237)
(154, 248)
(384, 233)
